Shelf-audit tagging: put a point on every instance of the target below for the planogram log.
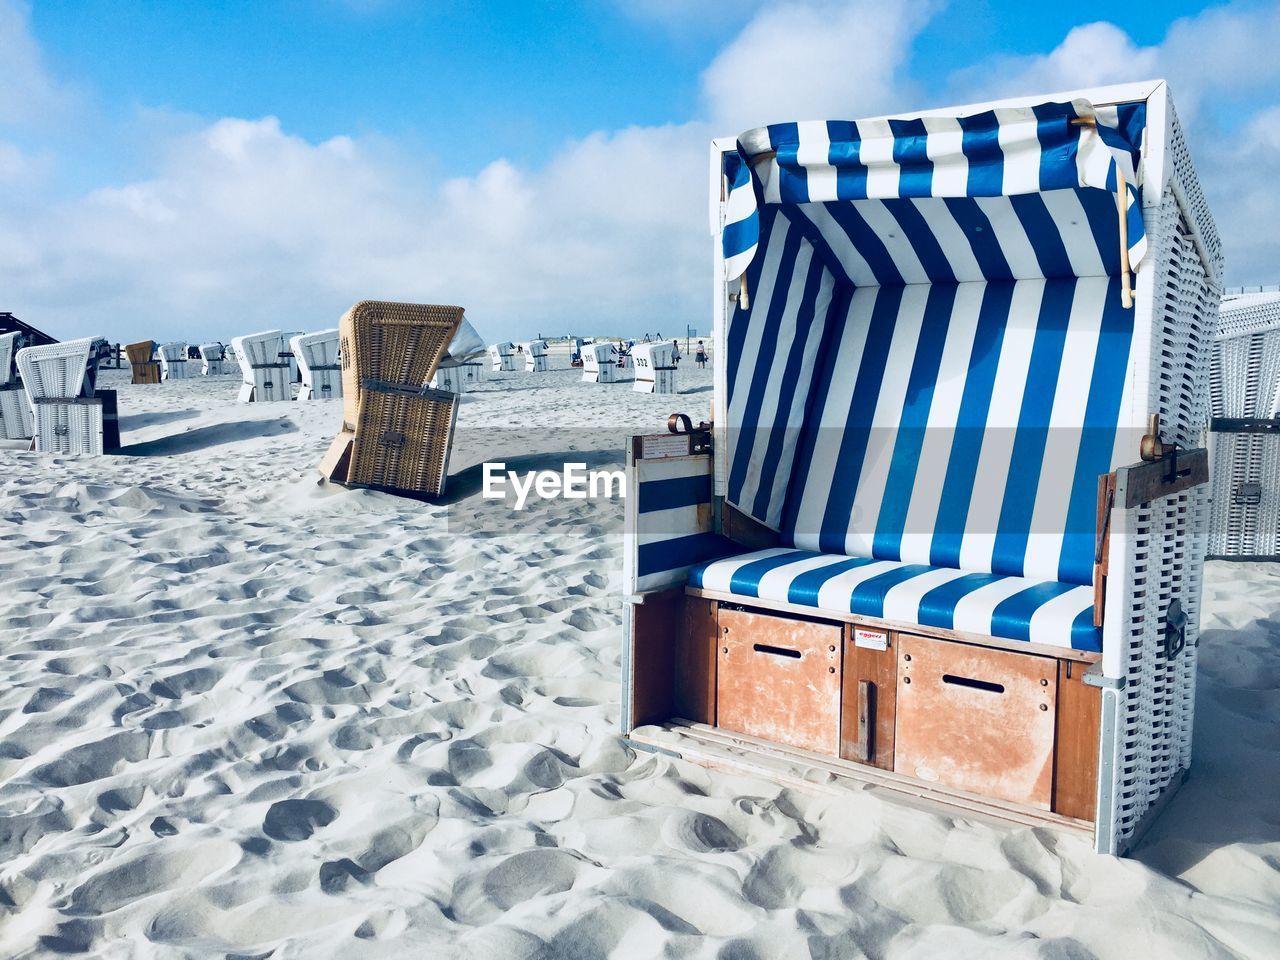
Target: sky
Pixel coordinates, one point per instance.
(194, 171)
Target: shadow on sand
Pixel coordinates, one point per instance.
(202, 438)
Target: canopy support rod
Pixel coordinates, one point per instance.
(1122, 206)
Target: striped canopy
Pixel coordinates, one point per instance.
(1005, 152)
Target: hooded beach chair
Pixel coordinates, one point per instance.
(535, 356)
(266, 373)
(503, 357)
(1245, 429)
(600, 363)
(655, 367)
(71, 415)
(173, 361)
(319, 365)
(462, 363)
(146, 369)
(396, 432)
(945, 533)
(16, 421)
(212, 357)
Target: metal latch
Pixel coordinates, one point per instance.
(1175, 630)
(1248, 495)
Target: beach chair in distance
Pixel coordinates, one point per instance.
(397, 432)
(463, 363)
(146, 369)
(600, 363)
(503, 357)
(318, 362)
(173, 361)
(655, 367)
(286, 353)
(1245, 429)
(945, 531)
(535, 357)
(266, 374)
(212, 358)
(16, 422)
(71, 415)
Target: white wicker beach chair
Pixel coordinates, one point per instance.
(934, 540)
(70, 414)
(16, 422)
(320, 365)
(655, 367)
(212, 356)
(173, 361)
(1245, 389)
(503, 357)
(600, 363)
(535, 356)
(266, 373)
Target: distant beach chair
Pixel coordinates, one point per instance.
(212, 357)
(71, 415)
(945, 531)
(319, 365)
(535, 356)
(286, 352)
(600, 363)
(146, 369)
(173, 361)
(16, 422)
(397, 432)
(503, 357)
(1245, 429)
(655, 368)
(463, 363)
(266, 374)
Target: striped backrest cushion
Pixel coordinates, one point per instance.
(965, 425)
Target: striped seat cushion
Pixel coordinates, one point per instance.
(1045, 612)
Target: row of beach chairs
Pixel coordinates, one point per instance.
(150, 362)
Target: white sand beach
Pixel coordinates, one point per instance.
(246, 715)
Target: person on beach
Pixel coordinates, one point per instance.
(675, 352)
(701, 356)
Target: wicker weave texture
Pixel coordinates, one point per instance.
(16, 422)
(394, 343)
(402, 440)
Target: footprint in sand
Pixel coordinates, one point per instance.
(293, 820)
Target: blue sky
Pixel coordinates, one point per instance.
(205, 167)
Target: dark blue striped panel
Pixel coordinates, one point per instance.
(680, 552)
(676, 492)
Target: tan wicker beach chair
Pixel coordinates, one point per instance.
(396, 431)
(145, 369)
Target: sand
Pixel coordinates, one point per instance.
(242, 714)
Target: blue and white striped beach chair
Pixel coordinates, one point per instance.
(960, 401)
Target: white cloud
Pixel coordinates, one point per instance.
(27, 92)
(809, 61)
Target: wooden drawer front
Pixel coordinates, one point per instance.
(977, 719)
(779, 679)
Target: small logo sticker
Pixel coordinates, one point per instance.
(870, 639)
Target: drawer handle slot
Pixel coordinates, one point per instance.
(776, 651)
(986, 685)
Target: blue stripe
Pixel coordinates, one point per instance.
(924, 244)
(1046, 241)
(793, 179)
(1059, 145)
(754, 433)
(868, 596)
(741, 236)
(938, 606)
(910, 152)
(1097, 442)
(867, 243)
(1084, 635)
(845, 154)
(745, 581)
(980, 143)
(901, 480)
(679, 552)
(982, 238)
(788, 384)
(655, 495)
(1009, 554)
(804, 589)
(857, 432)
(971, 422)
(1012, 616)
(1100, 210)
